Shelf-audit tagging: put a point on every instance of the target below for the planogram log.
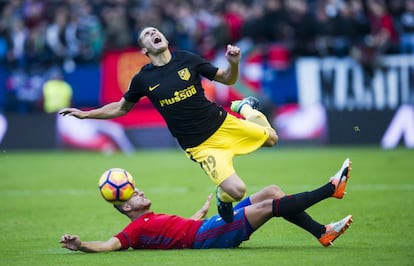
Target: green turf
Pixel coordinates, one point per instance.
(44, 195)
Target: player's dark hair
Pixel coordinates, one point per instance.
(139, 42)
(119, 208)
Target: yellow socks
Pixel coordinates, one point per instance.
(254, 116)
(223, 196)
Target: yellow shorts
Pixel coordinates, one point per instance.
(234, 137)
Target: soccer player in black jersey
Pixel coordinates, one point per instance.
(206, 132)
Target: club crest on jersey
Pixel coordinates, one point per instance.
(184, 74)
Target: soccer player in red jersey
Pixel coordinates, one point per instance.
(205, 131)
(149, 230)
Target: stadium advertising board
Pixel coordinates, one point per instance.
(361, 108)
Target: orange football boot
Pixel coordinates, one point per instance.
(340, 178)
(334, 230)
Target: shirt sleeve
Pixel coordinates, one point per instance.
(204, 67)
(133, 94)
(123, 238)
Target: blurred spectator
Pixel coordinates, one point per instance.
(117, 31)
(340, 25)
(233, 18)
(61, 37)
(302, 27)
(33, 13)
(87, 28)
(326, 27)
(3, 46)
(396, 8)
(407, 27)
(6, 18)
(57, 94)
(37, 52)
(382, 39)
(384, 35)
(186, 27)
(274, 21)
(353, 25)
(38, 34)
(253, 27)
(215, 37)
(18, 34)
(81, 30)
(24, 91)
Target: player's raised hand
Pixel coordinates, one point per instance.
(206, 205)
(202, 213)
(71, 242)
(233, 54)
(72, 112)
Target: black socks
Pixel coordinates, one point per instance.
(292, 208)
(294, 204)
(306, 222)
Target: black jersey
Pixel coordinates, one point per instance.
(175, 90)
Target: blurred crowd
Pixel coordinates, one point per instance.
(46, 32)
(39, 34)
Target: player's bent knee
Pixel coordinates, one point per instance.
(239, 194)
(272, 139)
(234, 187)
(274, 192)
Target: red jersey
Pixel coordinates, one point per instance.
(159, 231)
(386, 23)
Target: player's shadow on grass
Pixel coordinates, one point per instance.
(270, 249)
(290, 248)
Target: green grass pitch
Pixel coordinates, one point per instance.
(46, 194)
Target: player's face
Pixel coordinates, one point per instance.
(138, 201)
(153, 41)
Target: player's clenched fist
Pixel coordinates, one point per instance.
(233, 53)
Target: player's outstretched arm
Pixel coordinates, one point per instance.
(201, 213)
(73, 242)
(110, 110)
(229, 75)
